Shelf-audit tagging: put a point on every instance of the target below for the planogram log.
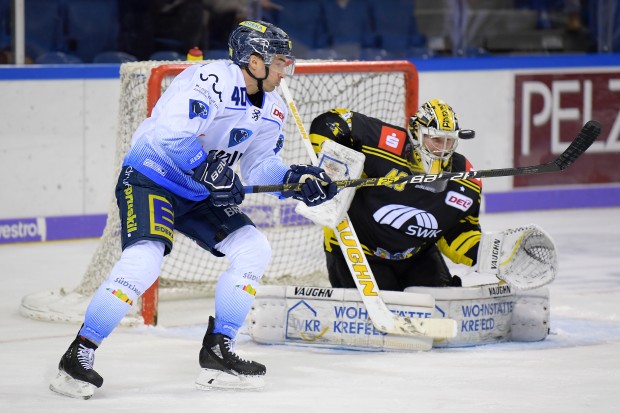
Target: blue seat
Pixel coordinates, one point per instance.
(91, 26)
(351, 24)
(114, 57)
(5, 23)
(397, 29)
(44, 28)
(303, 21)
(167, 55)
(51, 58)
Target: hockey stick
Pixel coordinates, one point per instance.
(588, 134)
(382, 318)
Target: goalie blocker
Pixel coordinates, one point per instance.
(337, 318)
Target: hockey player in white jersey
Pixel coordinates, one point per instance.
(177, 175)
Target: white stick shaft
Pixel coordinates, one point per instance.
(300, 125)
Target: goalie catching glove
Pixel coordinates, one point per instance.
(221, 181)
(524, 257)
(317, 186)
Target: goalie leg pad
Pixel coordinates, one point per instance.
(491, 313)
(332, 318)
(530, 315)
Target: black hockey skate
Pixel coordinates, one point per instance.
(76, 377)
(222, 368)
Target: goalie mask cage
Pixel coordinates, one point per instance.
(384, 89)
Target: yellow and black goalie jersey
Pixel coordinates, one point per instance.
(399, 222)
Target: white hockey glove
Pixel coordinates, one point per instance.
(524, 257)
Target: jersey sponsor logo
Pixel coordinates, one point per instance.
(214, 79)
(197, 108)
(118, 293)
(279, 144)
(392, 140)
(161, 217)
(277, 113)
(386, 255)
(247, 288)
(411, 221)
(149, 163)
(196, 158)
(458, 201)
(122, 281)
(203, 91)
(130, 222)
(238, 135)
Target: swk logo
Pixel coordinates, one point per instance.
(412, 221)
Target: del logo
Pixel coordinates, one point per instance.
(459, 201)
(277, 113)
(198, 108)
(238, 135)
(392, 140)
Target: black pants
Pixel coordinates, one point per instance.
(425, 269)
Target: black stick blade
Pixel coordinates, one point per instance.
(582, 142)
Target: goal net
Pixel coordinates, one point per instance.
(384, 89)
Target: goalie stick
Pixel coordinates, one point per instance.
(586, 136)
(382, 318)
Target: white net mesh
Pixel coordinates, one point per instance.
(297, 246)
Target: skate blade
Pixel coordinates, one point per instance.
(70, 387)
(219, 380)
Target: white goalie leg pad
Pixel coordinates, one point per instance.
(70, 387)
(332, 318)
(340, 163)
(524, 257)
(491, 313)
(219, 380)
(530, 315)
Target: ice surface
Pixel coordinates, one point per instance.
(576, 369)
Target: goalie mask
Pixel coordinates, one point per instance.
(264, 39)
(434, 133)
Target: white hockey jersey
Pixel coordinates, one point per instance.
(206, 109)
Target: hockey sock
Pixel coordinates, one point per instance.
(137, 269)
(249, 252)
